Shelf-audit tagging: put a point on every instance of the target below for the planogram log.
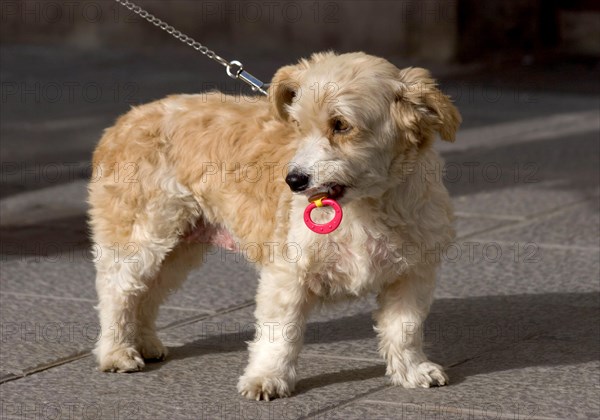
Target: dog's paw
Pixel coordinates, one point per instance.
(151, 348)
(423, 375)
(121, 360)
(265, 388)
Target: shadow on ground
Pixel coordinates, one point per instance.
(499, 333)
(48, 241)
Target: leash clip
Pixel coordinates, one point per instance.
(235, 70)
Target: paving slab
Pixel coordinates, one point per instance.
(536, 358)
(37, 331)
(71, 276)
(515, 180)
(327, 331)
(456, 330)
(547, 338)
(225, 280)
(45, 300)
(67, 275)
(487, 267)
(507, 401)
(574, 226)
(523, 393)
(200, 387)
(519, 202)
(468, 225)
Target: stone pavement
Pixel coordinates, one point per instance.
(516, 316)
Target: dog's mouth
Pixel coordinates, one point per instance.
(329, 190)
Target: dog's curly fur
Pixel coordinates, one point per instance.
(178, 174)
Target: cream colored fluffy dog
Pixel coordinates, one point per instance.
(183, 172)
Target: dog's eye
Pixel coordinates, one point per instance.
(296, 123)
(340, 126)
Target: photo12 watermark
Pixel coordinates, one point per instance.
(76, 409)
(68, 92)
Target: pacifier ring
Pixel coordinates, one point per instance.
(327, 227)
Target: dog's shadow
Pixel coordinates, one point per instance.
(469, 336)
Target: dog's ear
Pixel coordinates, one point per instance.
(285, 85)
(283, 89)
(418, 97)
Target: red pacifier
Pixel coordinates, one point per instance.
(327, 227)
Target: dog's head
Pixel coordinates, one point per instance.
(358, 117)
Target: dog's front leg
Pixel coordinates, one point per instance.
(282, 306)
(403, 307)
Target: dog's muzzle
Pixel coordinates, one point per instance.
(299, 181)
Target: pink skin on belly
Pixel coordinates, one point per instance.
(205, 233)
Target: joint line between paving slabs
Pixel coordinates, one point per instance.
(547, 245)
(492, 216)
(55, 363)
(317, 414)
(202, 309)
(51, 297)
(196, 318)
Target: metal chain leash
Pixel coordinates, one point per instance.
(234, 68)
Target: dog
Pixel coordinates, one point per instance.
(168, 181)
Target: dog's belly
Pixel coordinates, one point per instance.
(206, 233)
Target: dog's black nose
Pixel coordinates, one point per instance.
(297, 181)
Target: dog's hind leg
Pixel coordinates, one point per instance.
(126, 278)
(403, 307)
(129, 299)
(139, 259)
(123, 285)
(172, 274)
